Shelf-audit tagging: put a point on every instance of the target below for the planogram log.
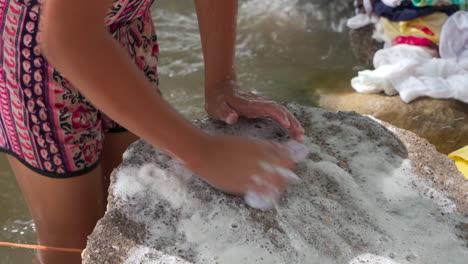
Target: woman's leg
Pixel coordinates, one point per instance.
(65, 211)
(115, 145)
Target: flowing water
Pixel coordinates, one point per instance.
(286, 50)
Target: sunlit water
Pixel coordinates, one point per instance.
(15, 222)
(286, 50)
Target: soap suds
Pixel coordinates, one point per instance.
(145, 255)
(372, 259)
(358, 203)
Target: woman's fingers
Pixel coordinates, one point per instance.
(277, 170)
(265, 191)
(229, 107)
(225, 113)
(256, 108)
(275, 111)
(296, 130)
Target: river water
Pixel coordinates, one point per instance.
(286, 50)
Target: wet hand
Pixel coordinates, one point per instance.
(227, 102)
(240, 165)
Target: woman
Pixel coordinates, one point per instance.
(61, 145)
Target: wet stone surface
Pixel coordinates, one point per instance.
(369, 193)
(444, 123)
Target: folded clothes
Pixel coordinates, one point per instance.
(438, 2)
(410, 40)
(428, 27)
(461, 160)
(407, 11)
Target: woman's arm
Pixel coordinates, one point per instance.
(224, 100)
(76, 42)
(218, 26)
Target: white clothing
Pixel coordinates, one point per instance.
(413, 72)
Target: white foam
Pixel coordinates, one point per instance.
(372, 259)
(358, 197)
(153, 181)
(142, 255)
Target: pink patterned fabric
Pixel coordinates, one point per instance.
(44, 121)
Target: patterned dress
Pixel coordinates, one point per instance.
(44, 121)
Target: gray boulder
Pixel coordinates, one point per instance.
(444, 123)
(371, 193)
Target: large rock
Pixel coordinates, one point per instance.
(363, 45)
(444, 123)
(370, 195)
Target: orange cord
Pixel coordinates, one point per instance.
(40, 247)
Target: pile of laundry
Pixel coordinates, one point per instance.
(425, 51)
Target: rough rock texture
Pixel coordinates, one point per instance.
(434, 166)
(363, 45)
(360, 196)
(444, 123)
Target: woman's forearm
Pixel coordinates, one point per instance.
(76, 42)
(218, 24)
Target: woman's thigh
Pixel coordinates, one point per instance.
(65, 211)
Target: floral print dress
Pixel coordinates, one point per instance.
(45, 122)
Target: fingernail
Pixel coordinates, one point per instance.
(267, 166)
(256, 201)
(287, 124)
(290, 176)
(300, 139)
(231, 119)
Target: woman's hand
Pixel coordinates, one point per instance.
(227, 102)
(240, 165)
(224, 100)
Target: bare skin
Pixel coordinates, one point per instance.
(115, 145)
(83, 50)
(65, 211)
(224, 99)
(77, 43)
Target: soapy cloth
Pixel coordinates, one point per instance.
(461, 160)
(407, 11)
(413, 71)
(262, 201)
(267, 201)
